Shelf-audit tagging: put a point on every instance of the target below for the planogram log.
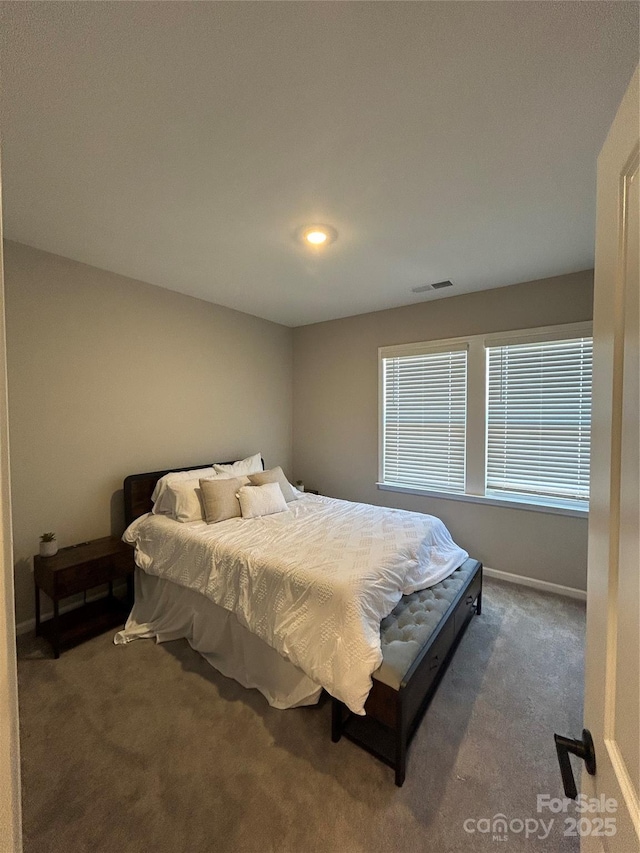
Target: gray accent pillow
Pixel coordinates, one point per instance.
(274, 475)
(219, 499)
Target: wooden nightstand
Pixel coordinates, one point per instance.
(78, 569)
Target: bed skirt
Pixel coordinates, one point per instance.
(167, 612)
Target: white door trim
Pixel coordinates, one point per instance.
(10, 809)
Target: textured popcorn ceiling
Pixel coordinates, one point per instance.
(184, 143)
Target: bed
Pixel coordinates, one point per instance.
(290, 603)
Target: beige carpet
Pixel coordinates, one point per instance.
(147, 748)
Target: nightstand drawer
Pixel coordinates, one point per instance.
(80, 578)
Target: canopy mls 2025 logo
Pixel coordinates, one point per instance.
(590, 816)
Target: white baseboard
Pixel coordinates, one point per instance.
(534, 583)
(30, 624)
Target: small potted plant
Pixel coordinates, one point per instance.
(300, 485)
(48, 545)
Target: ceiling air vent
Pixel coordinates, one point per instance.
(438, 285)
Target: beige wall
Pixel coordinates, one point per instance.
(335, 395)
(110, 376)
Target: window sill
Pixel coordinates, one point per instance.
(490, 500)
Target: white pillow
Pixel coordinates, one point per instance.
(250, 465)
(261, 500)
(183, 499)
(161, 506)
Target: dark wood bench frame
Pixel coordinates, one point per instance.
(393, 715)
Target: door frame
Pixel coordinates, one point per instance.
(618, 160)
(10, 801)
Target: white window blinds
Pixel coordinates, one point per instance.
(539, 419)
(424, 420)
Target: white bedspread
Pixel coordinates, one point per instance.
(313, 582)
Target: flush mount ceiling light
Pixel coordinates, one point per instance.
(317, 236)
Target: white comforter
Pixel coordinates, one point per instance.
(313, 582)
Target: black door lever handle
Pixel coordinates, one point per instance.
(584, 749)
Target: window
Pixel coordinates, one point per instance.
(500, 418)
(425, 402)
(539, 419)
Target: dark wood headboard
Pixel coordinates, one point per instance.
(138, 489)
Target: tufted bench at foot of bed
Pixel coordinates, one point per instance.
(418, 640)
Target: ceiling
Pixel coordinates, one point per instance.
(184, 144)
